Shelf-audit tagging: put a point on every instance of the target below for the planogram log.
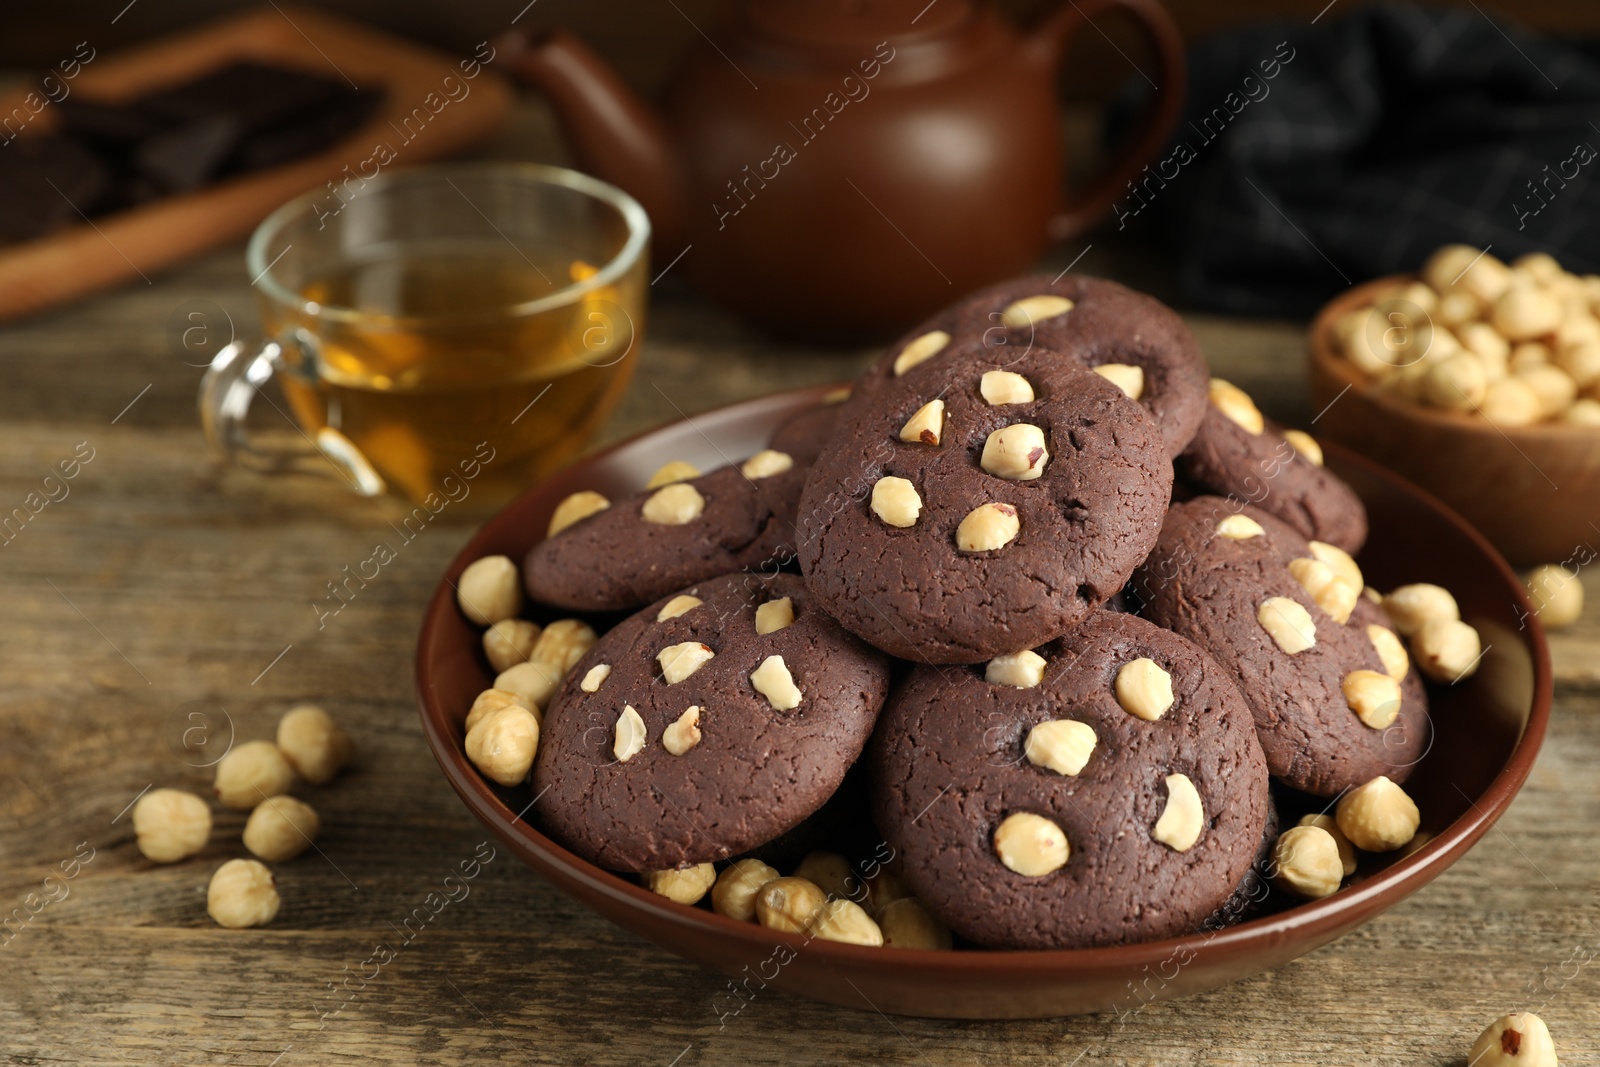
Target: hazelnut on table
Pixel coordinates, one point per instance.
(171, 825)
(1557, 595)
(280, 828)
(1520, 1039)
(242, 893)
(313, 743)
(250, 773)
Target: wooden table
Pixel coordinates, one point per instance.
(162, 586)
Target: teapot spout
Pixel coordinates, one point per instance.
(613, 134)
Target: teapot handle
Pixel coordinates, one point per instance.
(1088, 205)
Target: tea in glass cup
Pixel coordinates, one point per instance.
(440, 320)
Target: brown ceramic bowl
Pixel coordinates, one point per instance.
(1488, 732)
(1533, 491)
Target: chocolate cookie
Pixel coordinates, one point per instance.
(963, 510)
(1237, 453)
(1105, 789)
(1141, 343)
(1335, 701)
(704, 726)
(603, 556)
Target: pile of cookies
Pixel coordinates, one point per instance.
(1074, 630)
(1515, 345)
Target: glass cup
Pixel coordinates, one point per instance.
(437, 321)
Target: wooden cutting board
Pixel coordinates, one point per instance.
(136, 244)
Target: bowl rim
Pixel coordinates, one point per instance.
(1330, 362)
(1327, 917)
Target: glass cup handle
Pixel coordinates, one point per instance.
(230, 384)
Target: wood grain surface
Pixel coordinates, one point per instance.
(161, 588)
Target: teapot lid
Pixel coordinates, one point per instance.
(861, 23)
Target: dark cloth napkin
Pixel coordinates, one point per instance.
(1312, 157)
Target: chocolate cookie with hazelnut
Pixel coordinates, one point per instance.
(1335, 699)
(1102, 789)
(706, 725)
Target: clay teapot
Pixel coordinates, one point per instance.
(838, 169)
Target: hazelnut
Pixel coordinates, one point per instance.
(171, 825)
(1457, 308)
(773, 681)
(883, 889)
(1421, 294)
(1410, 606)
(490, 701)
(1557, 595)
(774, 615)
(988, 527)
(847, 922)
(895, 501)
(1236, 404)
(1377, 816)
(1373, 696)
(1017, 452)
(1331, 593)
(1019, 670)
(629, 735)
(734, 893)
(683, 659)
(1344, 567)
(907, 923)
(1347, 851)
(1456, 383)
(683, 733)
(502, 744)
(1520, 1039)
(489, 590)
(1287, 623)
(1523, 313)
(532, 683)
(788, 904)
(831, 873)
(1581, 362)
(926, 426)
(575, 508)
(1541, 266)
(562, 644)
(1396, 664)
(242, 893)
(1447, 650)
(313, 744)
(1060, 745)
(685, 885)
(1485, 342)
(1031, 845)
(999, 387)
(509, 642)
(595, 677)
(1239, 528)
(1183, 818)
(1486, 279)
(1305, 446)
(1510, 401)
(1552, 385)
(1125, 376)
(919, 349)
(681, 604)
(672, 471)
(250, 773)
(1021, 314)
(1306, 862)
(1584, 412)
(1144, 689)
(280, 828)
(766, 463)
(674, 505)
(1447, 264)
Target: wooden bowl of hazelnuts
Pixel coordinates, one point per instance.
(1480, 382)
